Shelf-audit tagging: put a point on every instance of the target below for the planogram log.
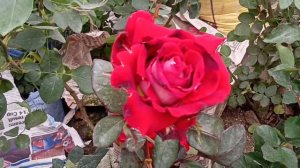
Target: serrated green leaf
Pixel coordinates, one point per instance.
(35, 118)
(12, 132)
(32, 72)
(289, 98)
(107, 131)
(242, 29)
(276, 99)
(282, 78)
(30, 39)
(3, 106)
(268, 135)
(165, 152)
(83, 77)
(51, 61)
(265, 101)
(52, 88)
(271, 91)
(22, 141)
(284, 33)
(14, 13)
(112, 99)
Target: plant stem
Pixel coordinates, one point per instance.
(148, 159)
(8, 58)
(82, 112)
(169, 20)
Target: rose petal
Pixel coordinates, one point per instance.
(209, 42)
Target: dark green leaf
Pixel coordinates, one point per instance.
(268, 135)
(271, 91)
(251, 60)
(57, 163)
(129, 160)
(232, 102)
(52, 88)
(292, 127)
(90, 161)
(241, 99)
(134, 140)
(190, 164)
(286, 55)
(30, 39)
(253, 50)
(225, 50)
(76, 154)
(107, 131)
(35, 118)
(51, 61)
(283, 4)
(5, 85)
(83, 77)
(3, 106)
(4, 144)
(285, 33)
(282, 78)
(262, 58)
(165, 152)
(244, 84)
(276, 99)
(22, 141)
(283, 155)
(112, 99)
(246, 17)
(242, 29)
(289, 98)
(14, 13)
(140, 4)
(69, 18)
(233, 141)
(32, 72)
(12, 132)
(257, 97)
(250, 4)
(257, 27)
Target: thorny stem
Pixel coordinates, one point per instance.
(82, 112)
(148, 159)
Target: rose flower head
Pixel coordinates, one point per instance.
(169, 75)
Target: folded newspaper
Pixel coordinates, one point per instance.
(48, 141)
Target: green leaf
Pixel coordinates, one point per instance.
(286, 55)
(253, 127)
(251, 60)
(241, 99)
(193, 8)
(69, 18)
(120, 24)
(262, 58)
(257, 27)
(278, 109)
(35, 118)
(165, 152)
(32, 72)
(210, 124)
(112, 99)
(30, 39)
(246, 17)
(12, 132)
(276, 99)
(51, 61)
(289, 98)
(190, 164)
(257, 97)
(83, 77)
(250, 4)
(285, 33)
(5, 85)
(244, 84)
(253, 50)
(282, 78)
(134, 140)
(242, 29)
(57, 163)
(292, 127)
(233, 141)
(1, 162)
(4, 144)
(129, 160)
(22, 141)
(283, 4)
(52, 88)
(268, 135)
(225, 50)
(3, 106)
(76, 154)
(271, 91)
(297, 3)
(232, 102)
(14, 13)
(56, 35)
(107, 131)
(283, 155)
(91, 161)
(140, 4)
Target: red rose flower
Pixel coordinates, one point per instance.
(170, 75)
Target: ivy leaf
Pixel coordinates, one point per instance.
(283, 4)
(83, 77)
(107, 130)
(165, 152)
(22, 141)
(69, 18)
(3, 106)
(112, 99)
(30, 39)
(284, 33)
(14, 13)
(35, 118)
(52, 88)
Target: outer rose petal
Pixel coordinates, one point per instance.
(209, 42)
(144, 117)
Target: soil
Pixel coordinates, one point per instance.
(237, 116)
